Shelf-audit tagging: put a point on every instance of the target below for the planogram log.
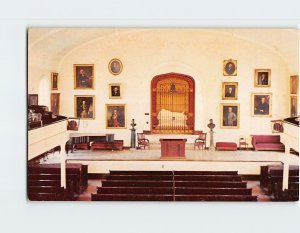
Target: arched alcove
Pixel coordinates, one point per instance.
(172, 104)
(44, 92)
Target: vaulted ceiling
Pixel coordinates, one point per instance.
(56, 42)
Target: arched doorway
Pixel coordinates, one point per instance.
(172, 104)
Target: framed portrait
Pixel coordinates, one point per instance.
(115, 116)
(55, 103)
(73, 123)
(277, 126)
(33, 99)
(294, 85)
(115, 66)
(261, 104)
(229, 90)
(54, 81)
(115, 91)
(294, 106)
(230, 67)
(84, 106)
(230, 116)
(262, 78)
(83, 76)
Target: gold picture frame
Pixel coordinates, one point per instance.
(84, 107)
(294, 106)
(115, 116)
(261, 104)
(54, 81)
(83, 76)
(229, 90)
(115, 91)
(262, 78)
(230, 116)
(115, 66)
(294, 84)
(230, 67)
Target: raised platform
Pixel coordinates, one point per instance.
(245, 162)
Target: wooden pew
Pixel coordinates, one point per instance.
(278, 179)
(45, 189)
(290, 194)
(47, 196)
(44, 181)
(266, 171)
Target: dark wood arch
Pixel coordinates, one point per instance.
(172, 104)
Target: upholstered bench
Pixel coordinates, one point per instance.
(226, 146)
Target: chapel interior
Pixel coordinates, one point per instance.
(163, 114)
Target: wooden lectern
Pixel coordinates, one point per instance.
(172, 148)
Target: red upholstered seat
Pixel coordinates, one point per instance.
(226, 146)
(267, 142)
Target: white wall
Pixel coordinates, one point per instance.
(147, 53)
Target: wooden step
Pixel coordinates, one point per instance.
(207, 178)
(126, 197)
(211, 184)
(142, 183)
(141, 172)
(205, 172)
(139, 177)
(213, 191)
(215, 198)
(135, 190)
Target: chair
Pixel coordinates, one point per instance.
(142, 141)
(200, 141)
(243, 144)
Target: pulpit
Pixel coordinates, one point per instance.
(172, 148)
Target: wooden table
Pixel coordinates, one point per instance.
(172, 148)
